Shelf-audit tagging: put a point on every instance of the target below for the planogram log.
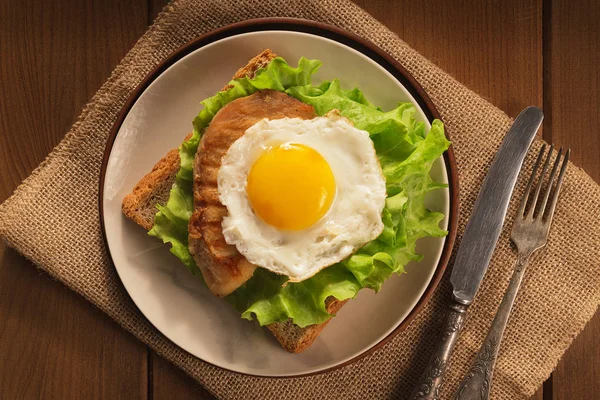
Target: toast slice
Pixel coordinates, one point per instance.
(154, 188)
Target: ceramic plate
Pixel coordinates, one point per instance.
(159, 116)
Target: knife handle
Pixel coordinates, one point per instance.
(428, 385)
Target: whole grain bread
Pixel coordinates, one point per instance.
(153, 190)
(295, 339)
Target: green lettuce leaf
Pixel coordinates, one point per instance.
(406, 153)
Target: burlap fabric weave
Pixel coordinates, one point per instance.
(55, 210)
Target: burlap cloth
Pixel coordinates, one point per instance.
(53, 220)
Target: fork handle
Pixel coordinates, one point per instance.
(477, 383)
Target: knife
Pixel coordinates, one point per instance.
(478, 243)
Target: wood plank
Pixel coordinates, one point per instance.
(155, 7)
(55, 55)
(573, 81)
(493, 47)
(572, 90)
(539, 395)
(169, 382)
(53, 344)
(577, 375)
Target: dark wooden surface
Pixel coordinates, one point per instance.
(55, 54)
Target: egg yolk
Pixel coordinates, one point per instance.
(291, 186)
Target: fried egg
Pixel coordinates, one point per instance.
(301, 195)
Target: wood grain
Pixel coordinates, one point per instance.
(155, 7)
(169, 382)
(53, 57)
(493, 47)
(539, 395)
(53, 344)
(572, 93)
(572, 87)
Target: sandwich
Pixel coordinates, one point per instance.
(288, 198)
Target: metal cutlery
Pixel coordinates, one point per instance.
(529, 233)
(478, 243)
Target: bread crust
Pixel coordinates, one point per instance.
(254, 65)
(295, 339)
(154, 189)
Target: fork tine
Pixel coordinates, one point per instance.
(550, 181)
(563, 168)
(530, 183)
(531, 210)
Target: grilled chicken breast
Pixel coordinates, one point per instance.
(224, 269)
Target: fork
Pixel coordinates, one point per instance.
(529, 233)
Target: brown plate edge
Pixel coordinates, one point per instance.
(368, 49)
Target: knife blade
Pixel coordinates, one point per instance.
(484, 226)
(478, 243)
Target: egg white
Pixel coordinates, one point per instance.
(353, 219)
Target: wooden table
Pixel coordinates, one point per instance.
(55, 54)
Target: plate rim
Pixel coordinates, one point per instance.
(366, 48)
